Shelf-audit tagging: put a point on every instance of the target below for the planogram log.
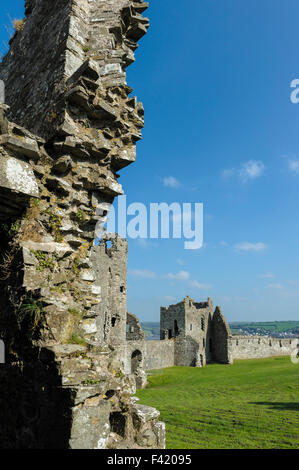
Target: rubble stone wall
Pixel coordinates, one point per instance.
(221, 337)
(33, 69)
(159, 354)
(253, 347)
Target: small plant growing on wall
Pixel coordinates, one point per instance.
(44, 261)
(18, 25)
(76, 339)
(10, 229)
(31, 310)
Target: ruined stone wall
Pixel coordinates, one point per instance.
(135, 350)
(159, 354)
(221, 346)
(168, 317)
(134, 330)
(34, 68)
(199, 317)
(109, 274)
(186, 352)
(17, 180)
(63, 300)
(253, 347)
(190, 323)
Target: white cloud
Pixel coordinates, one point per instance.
(143, 273)
(267, 276)
(223, 243)
(180, 276)
(199, 285)
(228, 173)
(246, 246)
(275, 286)
(248, 171)
(293, 164)
(171, 182)
(251, 170)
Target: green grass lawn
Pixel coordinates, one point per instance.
(252, 404)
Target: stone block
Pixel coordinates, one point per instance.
(23, 146)
(17, 176)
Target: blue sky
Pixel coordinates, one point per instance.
(214, 77)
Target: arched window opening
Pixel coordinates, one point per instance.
(176, 328)
(113, 321)
(202, 323)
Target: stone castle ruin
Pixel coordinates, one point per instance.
(73, 355)
(194, 334)
(68, 126)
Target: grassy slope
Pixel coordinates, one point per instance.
(251, 404)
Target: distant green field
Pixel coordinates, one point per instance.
(153, 328)
(272, 327)
(252, 404)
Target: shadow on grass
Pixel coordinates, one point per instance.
(288, 406)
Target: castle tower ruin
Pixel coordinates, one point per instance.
(192, 335)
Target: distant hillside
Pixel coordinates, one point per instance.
(275, 328)
(151, 329)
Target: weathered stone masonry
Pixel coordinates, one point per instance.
(254, 347)
(69, 127)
